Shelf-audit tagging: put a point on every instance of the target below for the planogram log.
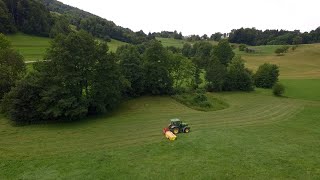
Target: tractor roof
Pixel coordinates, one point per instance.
(174, 120)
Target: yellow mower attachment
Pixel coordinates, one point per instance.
(169, 134)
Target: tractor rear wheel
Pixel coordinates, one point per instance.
(186, 130)
(176, 130)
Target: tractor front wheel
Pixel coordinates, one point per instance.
(176, 130)
(186, 130)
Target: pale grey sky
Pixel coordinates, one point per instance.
(205, 16)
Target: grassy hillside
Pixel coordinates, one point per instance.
(33, 48)
(114, 44)
(302, 88)
(303, 63)
(177, 42)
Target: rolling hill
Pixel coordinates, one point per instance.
(33, 48)
(257, 136)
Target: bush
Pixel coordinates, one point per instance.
(266, 76)
(248, 50)
(197, 100)
(200, 98)
(205, 104)
(282, 50)
(293, 48)
(278, 89)
(242, 47)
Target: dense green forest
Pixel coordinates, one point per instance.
(27, 16)
(254, 37)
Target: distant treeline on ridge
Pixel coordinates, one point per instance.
(50, 18)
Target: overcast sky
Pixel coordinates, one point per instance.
(205, 16)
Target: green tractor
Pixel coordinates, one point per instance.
(177, 126)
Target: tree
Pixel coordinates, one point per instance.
(21, 104)
(278, 89)
(108, 82)
(12, 67)
(81, 78)
(266, 75)
(193, 38)
(215, 75)
(61, 26)
(88, 73)
(197, 78)
(158, 68)
(297, 40)
(204, 37)
(187, 50)
(174, 49)
(244, 36)
(158, 80)
(202, 51)
(4, 42)
(7, 24)
(132, 68)
(216, 36)
(30, 16)
(238, 77)
(252, 36)
(176, 35)
(223, 52)
(183, 70)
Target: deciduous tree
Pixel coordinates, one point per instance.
(266, 75)
(12, 66)
(223, 52)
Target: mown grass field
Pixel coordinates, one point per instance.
(33, 48)
(257, 136)
(303, 63)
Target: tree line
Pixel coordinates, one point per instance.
(254, 37)
(83, 78)
(27, 16)
(168, 34)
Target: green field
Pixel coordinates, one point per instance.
(114, 44)
(33, 48)
(257, 136)
(177, 43)
(303, 63)
(248, 136)
(308, 89)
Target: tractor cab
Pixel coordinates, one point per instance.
(176, 126)
(175, 122)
